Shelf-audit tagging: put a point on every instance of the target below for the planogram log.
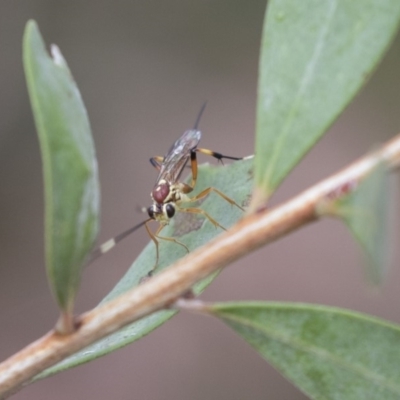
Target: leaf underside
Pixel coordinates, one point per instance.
(235, 181)
(328, 353)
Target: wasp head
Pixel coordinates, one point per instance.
(161, 212)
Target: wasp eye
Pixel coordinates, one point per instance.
(170, 210)
(151, 212)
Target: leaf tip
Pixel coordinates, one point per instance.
(57, 56)
(31, 25)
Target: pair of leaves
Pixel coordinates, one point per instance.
(235, 181)
(63, 128)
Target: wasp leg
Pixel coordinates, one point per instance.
(188, 188)
(205, 192)
(171, 239)
(216, 155)
(193, 165)
(156, 162)
(155, 237)
(202, 212)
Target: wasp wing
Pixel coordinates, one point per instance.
(178, 155)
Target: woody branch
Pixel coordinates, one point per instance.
(162, 290)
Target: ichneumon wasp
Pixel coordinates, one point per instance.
(169, 193)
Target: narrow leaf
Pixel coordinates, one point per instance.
(315, 56)
(234, 180)
(69, 166)
(366, 212)
(327, 353)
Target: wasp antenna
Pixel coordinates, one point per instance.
(107, 246)
(196, 124)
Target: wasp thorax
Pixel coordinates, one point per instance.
(160, 192)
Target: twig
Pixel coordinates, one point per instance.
(162, 290)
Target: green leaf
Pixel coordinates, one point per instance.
(69, 165)
(327, 353)
(235, 181)
(366, 212)
(315, 56)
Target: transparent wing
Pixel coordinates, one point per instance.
(178, 155)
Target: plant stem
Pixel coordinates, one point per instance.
(162, 290)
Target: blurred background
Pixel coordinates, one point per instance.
(144, 68)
